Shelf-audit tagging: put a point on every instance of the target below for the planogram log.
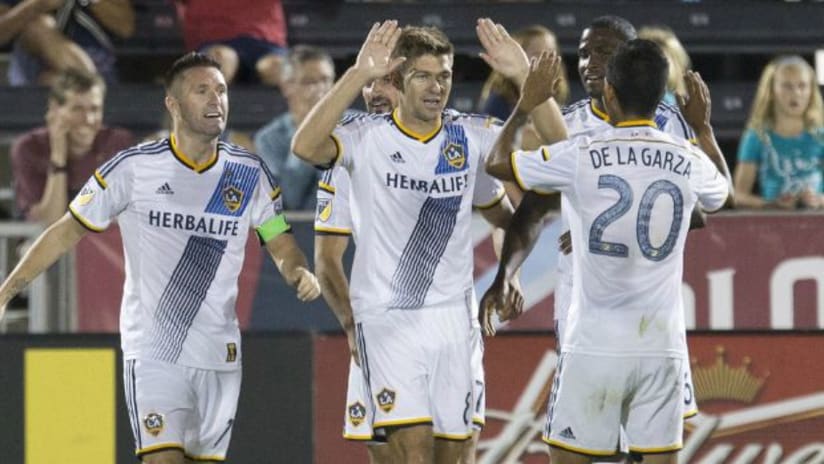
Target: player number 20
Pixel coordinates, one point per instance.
(623, 205)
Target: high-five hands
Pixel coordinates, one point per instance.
(541, 82)
(375, 56)
(501, 52)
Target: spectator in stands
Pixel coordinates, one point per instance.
(79, 35)
(679, 60)
(248, 39)
(50, 164)
(500, 94)
(783, 146)
(308, 74)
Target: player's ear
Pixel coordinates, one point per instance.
(171, 105)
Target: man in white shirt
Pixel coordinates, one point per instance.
(184, 206)
(624, 352)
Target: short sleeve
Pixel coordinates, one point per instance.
(267, 216)
(347, 135)
(711, 186)
(332, 214)
(547, 169)
(671, 121)
(750, 148)
(105, 195)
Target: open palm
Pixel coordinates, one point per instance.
(375, 56)
(501, 52)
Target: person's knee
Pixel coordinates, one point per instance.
(562, 456)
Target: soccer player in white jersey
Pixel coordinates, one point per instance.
(624, 351)
(333, 226)
(588, 117)
(184, 206)
(414, 178)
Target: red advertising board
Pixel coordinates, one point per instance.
(761, 398)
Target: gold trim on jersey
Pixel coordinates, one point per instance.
(576, 449)
(333, 230)
(338, 149)
(100, 180)
(545, 153)
(517, 176)
(274, 194)
(423, 138)
(637, 123)
(453, 437)
(159, 447)
(83, 221)
(326, 187)
(600, 114)
(198, 168)
(657, 449)
(691, 413)
(478, 422)
(205, 458)
(357, 437)
(494, 202)
(413, 421)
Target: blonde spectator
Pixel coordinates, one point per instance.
(679, 60)
(499, 94)
(783, 145)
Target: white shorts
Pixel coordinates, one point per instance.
(357, 423)
(417, 366)
(599, 397)
(563, 297)
(179, 407)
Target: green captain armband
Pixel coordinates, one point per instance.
(272, 228)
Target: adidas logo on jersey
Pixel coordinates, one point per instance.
(567, 433)
(396, 157)
(165, 189)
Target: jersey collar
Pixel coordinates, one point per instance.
(598, 113)
(423, 138)
(637, 123)
(186, 161)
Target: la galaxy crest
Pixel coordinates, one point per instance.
(153, 423)
(357, 413)
(454, 155)
(386, 400)
(232, 198)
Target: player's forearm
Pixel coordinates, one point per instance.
(708, 143)
(335, 290)
(522, 234)
(48, 248)
(499, 161)
(313, 133)
(549, 122)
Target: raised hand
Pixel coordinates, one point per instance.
(542, 81)
(375, 56)
(501, 52)
(696, 106)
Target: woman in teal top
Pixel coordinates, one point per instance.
(783, 146)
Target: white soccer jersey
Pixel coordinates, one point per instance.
(332, 214)
(184, 230)
(411, 201)
(633, 188)
(582, 118)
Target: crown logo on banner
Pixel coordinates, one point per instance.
(720, 381)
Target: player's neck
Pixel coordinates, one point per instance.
(416, 125)
(199, 150)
